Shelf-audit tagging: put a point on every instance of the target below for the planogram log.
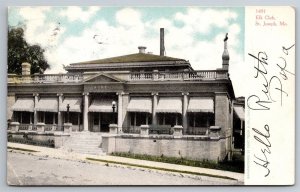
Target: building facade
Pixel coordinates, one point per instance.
(141, 94)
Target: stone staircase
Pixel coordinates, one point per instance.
(85, 143)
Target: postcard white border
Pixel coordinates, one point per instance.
(3, 55)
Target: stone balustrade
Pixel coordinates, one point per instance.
(128, 76)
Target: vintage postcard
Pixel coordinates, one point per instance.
(151, 96)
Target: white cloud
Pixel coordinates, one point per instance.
(34, 18)
(128, 17)
(180, 42)
(31, 14)
(74, 13)
(110, 41)
(37, 31)
(202, 20)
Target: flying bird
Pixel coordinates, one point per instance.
(54, 33)
(97, 39)
(56, 30)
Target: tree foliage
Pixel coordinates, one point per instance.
(19, 51)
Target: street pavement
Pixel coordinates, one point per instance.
(56, 167)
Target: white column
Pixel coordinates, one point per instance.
(125, 102)
(154, 106)
(59, 115)
(184, 112)
(120, 112)
(36, 100)
(85, 112)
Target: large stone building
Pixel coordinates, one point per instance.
(140, 103)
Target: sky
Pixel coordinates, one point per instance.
(74, 34)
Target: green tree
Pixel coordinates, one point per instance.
(19, 51)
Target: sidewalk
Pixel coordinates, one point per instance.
(58, 153)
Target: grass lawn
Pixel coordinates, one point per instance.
(236, 165)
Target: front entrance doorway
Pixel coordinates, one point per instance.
(100, 121)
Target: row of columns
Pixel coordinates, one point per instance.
(121, 114)
(184, 110)
(59, 116)
(86, 110)
(221, 109)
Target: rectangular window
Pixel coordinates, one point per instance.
(179, 119)
(74, 118)
(49, 118)
(138, 119)
(96, 118)
(170, 119)
(201, 119)
(41, 118)
(56, 118)
(26, 117)
(149, 115)
(132, 119)
(17, 116)
(161, 117)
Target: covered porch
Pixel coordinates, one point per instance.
(200, 115)
(23, 113)
(139, 110)
(102, 112)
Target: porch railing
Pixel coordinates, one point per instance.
(126, 76)
(196, 131)
(25, 127)
(60, 128)
(34, 128)
(127, 130)
(50, 127)
(161, 130)
(45, 78)
(131, 130)
(179, 75)
(167, 130)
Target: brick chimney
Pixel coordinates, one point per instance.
(162, 42)
(142, 49)
(26, 68)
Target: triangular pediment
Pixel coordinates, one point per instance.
(101, 77)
